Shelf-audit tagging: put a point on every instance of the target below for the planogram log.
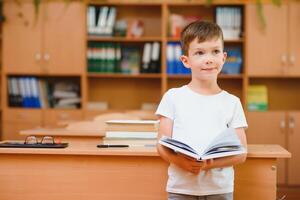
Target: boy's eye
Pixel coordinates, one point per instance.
(217, 51)
(199, 53)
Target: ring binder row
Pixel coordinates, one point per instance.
(108, 57)
(33, 92)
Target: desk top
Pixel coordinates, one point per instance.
(63, 132)
(254, 151)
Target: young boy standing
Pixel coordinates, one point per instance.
(199, 111)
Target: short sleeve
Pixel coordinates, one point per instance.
(166, 106)
(238, 120)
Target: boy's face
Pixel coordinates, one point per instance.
(205, 59)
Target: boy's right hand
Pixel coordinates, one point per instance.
(189, 164)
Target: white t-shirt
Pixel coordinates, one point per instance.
(200, 118)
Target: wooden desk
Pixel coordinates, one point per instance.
(83, 171)
(65, 135)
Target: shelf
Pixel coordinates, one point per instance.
(221, 76)
(124, 3)
(170, 39)
(43, 74)
(115, 75)
(123, 39)
(273, 76)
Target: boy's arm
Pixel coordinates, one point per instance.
(184, 162)
(231, 160)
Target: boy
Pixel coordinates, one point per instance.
(199, 111)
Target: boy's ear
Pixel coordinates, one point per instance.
(225, 56)
(184, 59)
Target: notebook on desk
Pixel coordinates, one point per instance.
(22, 145)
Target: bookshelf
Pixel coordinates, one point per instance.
(49, 50)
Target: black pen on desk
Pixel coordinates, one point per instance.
(112, 145)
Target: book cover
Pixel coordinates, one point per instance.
(130, 135)
(226, 143)
(257, 98)
(132, 125)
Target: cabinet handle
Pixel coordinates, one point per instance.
(38, 56)
(291, 123)
(46, 57)
(282, 124)
(292, 59)
(283, 59)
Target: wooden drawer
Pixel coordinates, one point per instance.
(57, 118)
(22, 115)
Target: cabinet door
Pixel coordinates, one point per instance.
(294, 148)
(21, 38)
(266, 48)
(64, 30)
(294, 40)
(15, 120)
(268, 128)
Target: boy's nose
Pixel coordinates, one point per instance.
(208, 59)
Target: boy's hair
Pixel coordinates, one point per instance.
(203, 30)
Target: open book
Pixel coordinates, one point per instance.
(226, 143)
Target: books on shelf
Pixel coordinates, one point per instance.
(103, 57)
(230, 20)
(112, 57)
(101, 20)
(132, 125)
(257, 98)
(174, 64)
(33, 92)
(151, 58)
(234, 60)
(225, 144)
(130, 60)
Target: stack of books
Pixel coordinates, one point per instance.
(131, 132)
(257, 98)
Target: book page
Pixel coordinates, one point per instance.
(224, 142)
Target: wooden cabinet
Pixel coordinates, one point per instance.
(293, 120)
(52, 43)
(283, 128)
(294, 40)
(268, 128)
(15, 120)
(22, 39)
(64, 33)
(273, 50)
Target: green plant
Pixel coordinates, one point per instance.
(36, 4)
(260, 13)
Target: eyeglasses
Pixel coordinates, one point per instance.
(31, 139)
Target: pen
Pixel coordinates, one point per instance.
(111, 145)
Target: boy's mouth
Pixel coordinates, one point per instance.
(208, 69)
